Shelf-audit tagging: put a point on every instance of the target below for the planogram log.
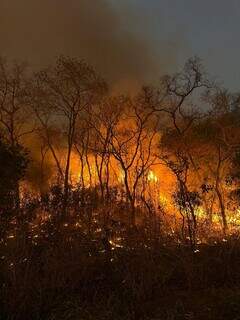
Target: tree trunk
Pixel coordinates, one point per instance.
(222, 209)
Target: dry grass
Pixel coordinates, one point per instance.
(77, 279)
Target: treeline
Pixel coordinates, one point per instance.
(118, 207)
(166, 158)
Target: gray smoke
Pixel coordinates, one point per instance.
(39, 30)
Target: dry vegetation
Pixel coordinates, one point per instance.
(118, 207)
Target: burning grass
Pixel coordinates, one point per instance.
(93, 266)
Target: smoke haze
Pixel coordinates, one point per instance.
(38, 31)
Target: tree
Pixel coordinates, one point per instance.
(223, 127)
(62, 94)
(175, 105)
(103, 119)
(14, 123)
(133, 144)
(13, 165)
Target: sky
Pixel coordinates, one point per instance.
(129, 42)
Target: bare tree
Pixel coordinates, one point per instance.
(64, 92)
(16, 120)
(102, 120)
(133, 148)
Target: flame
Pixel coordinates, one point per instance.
(152, 177)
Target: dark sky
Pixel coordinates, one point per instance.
(128, 41)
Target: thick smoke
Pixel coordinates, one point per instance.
(38, 31)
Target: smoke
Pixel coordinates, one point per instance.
(93, 30)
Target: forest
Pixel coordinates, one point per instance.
(118, 206)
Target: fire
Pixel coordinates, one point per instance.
(152, 177)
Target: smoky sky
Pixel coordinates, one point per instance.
(37, 31)
(127, 41)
